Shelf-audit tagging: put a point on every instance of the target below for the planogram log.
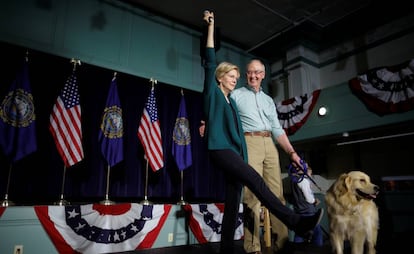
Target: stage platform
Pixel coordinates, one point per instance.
(34, 228)
(383, 247)
(213, 248)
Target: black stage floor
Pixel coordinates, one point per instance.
(213, 248)
(392, 245)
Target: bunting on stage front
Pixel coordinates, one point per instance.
(181, 147)
(205, 222)
(17, 118)
(294, 112)
(96, 228)
(149, 133)
(111, 132)
(65, 123)
(2, 209)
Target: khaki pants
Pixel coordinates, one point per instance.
(264, 158)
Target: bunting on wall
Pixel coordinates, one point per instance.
(294, 112)
(386, 90)
(205, 222)
(98, 228)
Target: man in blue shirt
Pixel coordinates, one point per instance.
(262, 129)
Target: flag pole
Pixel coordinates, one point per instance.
(182, 202)
(146, 201)
(107, 201)
(6, 202)
(75, 62)
(62, 201)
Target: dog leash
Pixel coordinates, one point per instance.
(297, 177)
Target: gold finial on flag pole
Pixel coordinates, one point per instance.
(182, 92)
(27, 55)
(75, 62)
(115, 73)
(153, 81)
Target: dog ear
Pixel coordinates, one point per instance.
(341, 186)
(348, 182)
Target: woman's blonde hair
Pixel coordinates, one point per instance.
(225, 67)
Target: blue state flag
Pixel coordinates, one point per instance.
(181, 147)
(17, 118)
(111, 133)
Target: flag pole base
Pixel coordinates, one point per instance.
(182, 202)
(6, 203)
(62, 202)
(107, 202)
(146, 202)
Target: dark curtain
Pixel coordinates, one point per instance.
(37, 178)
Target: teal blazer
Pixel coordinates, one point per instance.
(223, 127)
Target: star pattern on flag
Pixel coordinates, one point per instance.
(70, 93)
(152, 110)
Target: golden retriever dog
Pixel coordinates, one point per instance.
(352, 213)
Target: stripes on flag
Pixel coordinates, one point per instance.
(149, 133)
(65, 123)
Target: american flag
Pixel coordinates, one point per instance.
(65, 123)
(149, 133)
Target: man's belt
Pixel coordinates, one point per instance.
(258, 133)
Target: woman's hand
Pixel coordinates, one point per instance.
(202, 128)
(209, 17)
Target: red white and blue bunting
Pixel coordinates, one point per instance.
(96, 228)
(2, 209)
(205, 222)
(294, 112)
(386, 90)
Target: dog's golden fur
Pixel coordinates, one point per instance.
(352, 213)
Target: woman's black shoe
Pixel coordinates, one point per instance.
(307, 223)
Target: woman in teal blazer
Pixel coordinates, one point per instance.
(227, 148)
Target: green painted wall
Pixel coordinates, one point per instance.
(20, 226)
(346, 113)
(112, 35)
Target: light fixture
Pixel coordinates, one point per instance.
(322, 111)
(375, 138)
